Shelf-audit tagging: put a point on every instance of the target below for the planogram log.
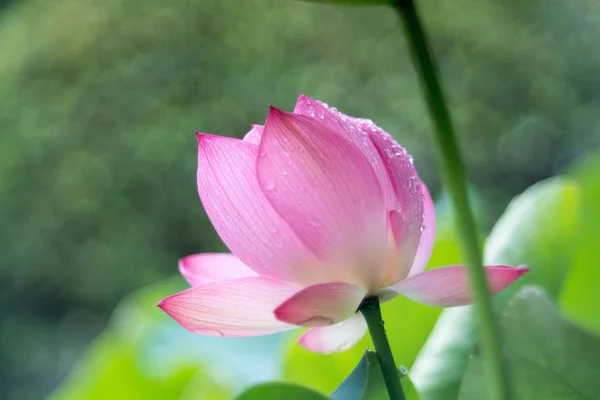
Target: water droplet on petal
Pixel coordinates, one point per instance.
(270, 186)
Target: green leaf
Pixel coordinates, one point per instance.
(280, 390)
(538, 229)
(548, 358)
(366, 382)
(579, 299)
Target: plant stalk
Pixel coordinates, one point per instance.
(372, 313)
(454, 176)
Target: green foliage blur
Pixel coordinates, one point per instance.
(99, 101)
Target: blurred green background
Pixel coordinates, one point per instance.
(99, 102)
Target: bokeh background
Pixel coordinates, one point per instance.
(99, 102)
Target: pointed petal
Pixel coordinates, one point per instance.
(326, 191)
(334, 338)
(239, 307)
(199, 269)
(358, 131)
(321, 305)
(406, 218)
(239, 211)
(253, 137)
(427, 235)
(448, 286)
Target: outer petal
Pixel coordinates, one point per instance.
(427, 235)
(199, 269)
(240, 212)
(326, 190)
(240, 307)
(321, 305)
(334, 338)
(448, 286)
(253, 137)
(355, 129)
(406, 219)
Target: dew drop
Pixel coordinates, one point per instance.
(365, 141)
(311, 113)
(270, 186)
(389, 153)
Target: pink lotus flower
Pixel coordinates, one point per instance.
(320, 210)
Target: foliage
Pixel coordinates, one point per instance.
(365, 382)
(579, 300)
(538, 229)
(288, 391)
(547, 357)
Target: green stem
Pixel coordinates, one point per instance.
(454, 177)
(370, 309)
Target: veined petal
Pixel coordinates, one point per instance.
(241, 214)
(199, 269)
(448, 286)
(358, 131)
(334, 338)
(327, 192)
(253, 137)
(321, 305)
(406, 219)
(427, 235)
(239, 307)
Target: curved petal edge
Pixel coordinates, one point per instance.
(321, 305)
(199, 269)
(335, 338)
(448, 286)
(238, 307)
